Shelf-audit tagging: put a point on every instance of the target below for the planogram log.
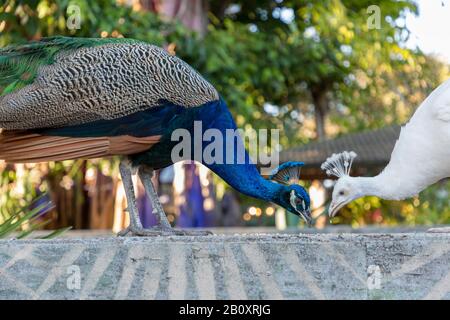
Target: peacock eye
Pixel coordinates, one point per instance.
(341, 193)
(300, 203)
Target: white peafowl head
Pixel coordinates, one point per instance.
(346, 188)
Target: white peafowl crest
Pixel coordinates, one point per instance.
(339, 164)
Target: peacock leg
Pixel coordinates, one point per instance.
(135, 228)
(146, 174)
(439, 230)
(164, 227)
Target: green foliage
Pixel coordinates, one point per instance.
(27, 219)
(33, 19)
(313, 41)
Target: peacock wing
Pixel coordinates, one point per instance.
(60, 81)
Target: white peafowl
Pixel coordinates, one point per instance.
(421, 157)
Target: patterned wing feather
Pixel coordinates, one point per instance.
(60, 82)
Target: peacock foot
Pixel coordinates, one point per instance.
(160, 231)
(439, 230)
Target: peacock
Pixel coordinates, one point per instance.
(69, 98)
(420, 158)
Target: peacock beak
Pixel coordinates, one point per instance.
(308, 219)
(304, 212)
(306, 216)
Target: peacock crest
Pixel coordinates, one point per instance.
(288, 173)
(339, 164)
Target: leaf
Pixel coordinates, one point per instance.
(34, 227)
(18, 219)
(31, 216)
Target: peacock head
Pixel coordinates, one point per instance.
(292, 196)
(346, 188)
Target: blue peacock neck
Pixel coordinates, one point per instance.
(241, 175)
(246, 179)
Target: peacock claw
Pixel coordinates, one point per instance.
(160, 231)
(123, 233)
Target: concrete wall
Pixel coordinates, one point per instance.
(284, 266)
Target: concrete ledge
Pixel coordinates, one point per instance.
(252, 266)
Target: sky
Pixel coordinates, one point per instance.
(431, 29)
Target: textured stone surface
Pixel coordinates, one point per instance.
(252, 266)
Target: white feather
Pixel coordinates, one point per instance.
(421, 155)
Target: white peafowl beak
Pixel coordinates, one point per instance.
(335, 207)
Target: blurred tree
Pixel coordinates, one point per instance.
(324, 50)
